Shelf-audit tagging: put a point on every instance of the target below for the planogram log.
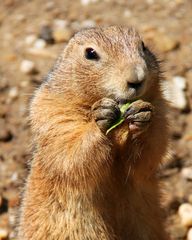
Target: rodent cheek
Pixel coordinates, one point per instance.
(114, 87)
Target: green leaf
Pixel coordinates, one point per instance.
(121, 119)
(115, 125)
(124, 108)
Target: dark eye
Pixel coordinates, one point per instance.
(143, 46)
(91, 54)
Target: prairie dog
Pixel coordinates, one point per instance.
(84, 184)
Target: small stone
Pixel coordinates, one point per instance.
(186, 173)
(181, 152)
(62, 35)
(166, 44)
(30, 39)
(76, 26)
(13, 93)
(127, 13)
(49, 5)
(24, 84)
(46, 34)
(180, 82)
(20, 18)
(150, 2)
(185, 213)
(86, 2)
(189, 234)
(27, 67)
(3, 233)
(175, 94)
(161, 40)
(88, 23)
(42, 53)
(14, 177)
(60, 24)
(39, 44)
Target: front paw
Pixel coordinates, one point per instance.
(105, 112)
(139, 116)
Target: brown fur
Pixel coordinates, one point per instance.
(84, 185)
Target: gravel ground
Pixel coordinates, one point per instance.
(32, 33)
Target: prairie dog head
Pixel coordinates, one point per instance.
(107, 62)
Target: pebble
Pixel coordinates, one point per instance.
(39, 44)
(127, 13)
(42, 53)
(150, 2)
(3, 233)
(87, 2)
(186, 173)
(161, 40)
(180, 82)
(20, 18)
(88, 23)
(166, 44)
(24, 84)
(76, 26)
(13, 93)
(46, 34)
(185, 213)
(181, 152)
(175, 92)
(49, 5)
(27, 66)
(30, 39)
(189, 234)
(14, 177)
(60, 24)
(62, 35)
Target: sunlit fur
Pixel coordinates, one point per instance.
(84, 185)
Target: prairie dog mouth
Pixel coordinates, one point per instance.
(130, 96)
(135, 86)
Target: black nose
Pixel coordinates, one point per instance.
(136, 86)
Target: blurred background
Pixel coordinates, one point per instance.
(32, 34)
